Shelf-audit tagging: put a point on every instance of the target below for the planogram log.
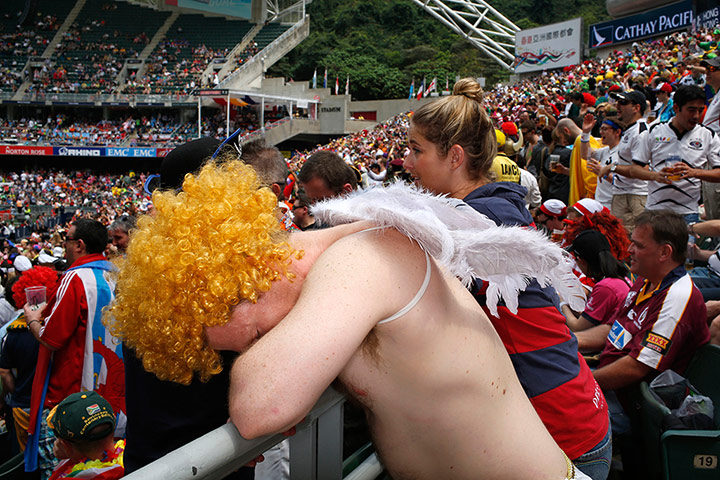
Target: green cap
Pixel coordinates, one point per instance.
(75, 417)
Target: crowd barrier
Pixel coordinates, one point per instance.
(315, 450)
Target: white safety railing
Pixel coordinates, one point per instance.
(315, 450)
(276, 45)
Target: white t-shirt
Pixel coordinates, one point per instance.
(627, 153)
(662, 146)
(604, 189)
(712, 115)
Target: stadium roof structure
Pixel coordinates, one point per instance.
(479, 23)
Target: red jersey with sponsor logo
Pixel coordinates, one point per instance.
(661, 328)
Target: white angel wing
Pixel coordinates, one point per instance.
(463, 240)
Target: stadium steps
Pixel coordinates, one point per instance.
(57, 38)
(157, 38)
(235, 53)
(69, 20)
(265, 58)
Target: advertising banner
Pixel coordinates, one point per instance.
(707, 14)
(548, 47)
(649, 24)
(231, 8)
(24, 150)
(130, 152)
(79, 151)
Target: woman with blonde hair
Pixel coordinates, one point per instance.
(452, 142)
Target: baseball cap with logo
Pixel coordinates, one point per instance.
(77, 417)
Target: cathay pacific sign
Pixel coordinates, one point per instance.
(654, 22)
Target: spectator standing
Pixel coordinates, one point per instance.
(77, 352)
(629, 194)
(610, 132)
(676, 155)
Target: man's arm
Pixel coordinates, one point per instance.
(278, 380)
(8, 380)
(593, 338)
(621, 373)
(35, 324)
(710, 228)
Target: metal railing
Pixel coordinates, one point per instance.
(315, 449)
(266, 52)
(104, 98)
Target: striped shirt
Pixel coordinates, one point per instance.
(662, 146)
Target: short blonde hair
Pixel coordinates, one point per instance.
(206, 249)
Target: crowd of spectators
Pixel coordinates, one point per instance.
(175, 67)
(544, 128)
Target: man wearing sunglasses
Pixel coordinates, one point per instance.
(712, 116)
(629, 194)
(675, 156)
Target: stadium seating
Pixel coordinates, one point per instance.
(19, 43)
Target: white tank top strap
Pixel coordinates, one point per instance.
(418, 295)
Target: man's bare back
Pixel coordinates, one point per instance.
(440, 393)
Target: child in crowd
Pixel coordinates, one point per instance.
(84, 424)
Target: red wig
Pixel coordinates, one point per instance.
(607, 224)
(35, 277)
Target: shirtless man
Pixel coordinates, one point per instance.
(440, 392)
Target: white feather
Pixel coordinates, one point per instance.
(463, 240)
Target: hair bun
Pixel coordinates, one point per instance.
(469, 88)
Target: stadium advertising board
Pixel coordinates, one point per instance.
(131, 152)
(707, 14)
(549, 46)
(25, 150)
(79, 151)
(137, 152)
(649, 24)
(231, 8)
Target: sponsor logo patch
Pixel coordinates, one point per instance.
(618, 336)
(656, 342)
(695, 144)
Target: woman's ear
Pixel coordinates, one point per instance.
(456, 155)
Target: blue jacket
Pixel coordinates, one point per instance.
(502, 202)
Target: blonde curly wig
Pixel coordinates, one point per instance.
(205, 249)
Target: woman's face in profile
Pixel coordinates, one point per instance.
(427, 166)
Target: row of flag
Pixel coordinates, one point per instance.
(337, 83)
(423, 91)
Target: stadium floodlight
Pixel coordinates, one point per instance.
(478, 23)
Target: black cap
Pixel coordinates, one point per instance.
(713, 62)
(634, 96)
(187, 158)
(588, 244)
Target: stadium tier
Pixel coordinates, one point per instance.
(96, 42)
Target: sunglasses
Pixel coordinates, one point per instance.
(623, 102)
